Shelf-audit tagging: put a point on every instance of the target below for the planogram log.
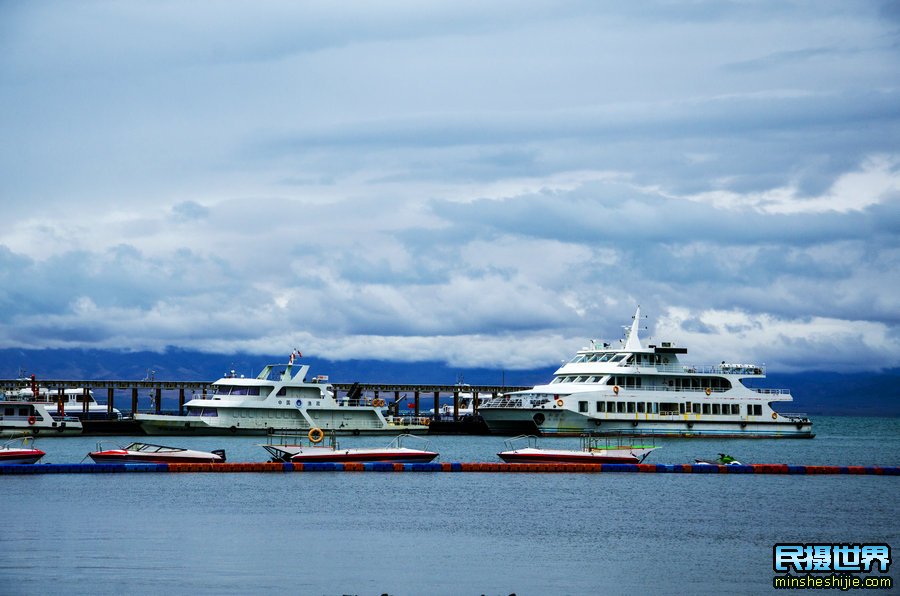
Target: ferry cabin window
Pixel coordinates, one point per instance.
(583, 406)
(604, 358)
(696, 408)
(715, 409)
(735, 409)
(631, 407)
(640, 407)
(9, 411)
(757, 409)
(706, 408)
(610, 406)
(601, 406)
(617, 358)
(620, 407)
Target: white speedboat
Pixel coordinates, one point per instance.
(20, 451)
(294, 449)
(279, 399)
(20, 416)
(148, 453)
(647, 390)
(524, 450)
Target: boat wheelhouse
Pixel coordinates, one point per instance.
(647, 391)
(279, 399)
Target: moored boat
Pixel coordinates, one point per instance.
(640, 390)
(524, 450)
(278, 400)
(315, 449)
(20, 451)
(21, 416)
(723, 460)
(155, 454)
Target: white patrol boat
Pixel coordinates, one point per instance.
(646, 391)
(279, 399)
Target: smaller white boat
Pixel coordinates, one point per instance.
(147, 453)
(314, 450)
(20, 451)
(524, 450)
(722, 460)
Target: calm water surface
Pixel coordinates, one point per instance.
(370, 533)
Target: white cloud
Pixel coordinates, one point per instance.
(487, 184)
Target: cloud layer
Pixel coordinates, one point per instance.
(484, 184)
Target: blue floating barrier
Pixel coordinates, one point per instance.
(801, 470)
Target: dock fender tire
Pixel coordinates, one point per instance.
(233, 430)
(270, 431)
(538, 418)
(634, 423)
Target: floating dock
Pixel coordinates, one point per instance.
(83, 468)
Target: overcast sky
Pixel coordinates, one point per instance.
(480, 183)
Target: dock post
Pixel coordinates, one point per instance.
(456, 404)
(61, 401)
(437, 404)
(134, 404)
(417, 403)
(181, 401)
(158, 400)
(109, 402)
(85, 402)
(397, 403)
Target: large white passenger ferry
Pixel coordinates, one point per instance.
(648, 391)
(279, 399)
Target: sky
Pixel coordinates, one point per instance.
(477, 183)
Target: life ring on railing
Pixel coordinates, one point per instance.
(708, 391)
(427, 421)
(774, 416)
(315, 435)
(616, 389)
(559, 403)
(32, 420)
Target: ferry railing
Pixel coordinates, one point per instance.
(705, 369)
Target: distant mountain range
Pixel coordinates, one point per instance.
(816, 393)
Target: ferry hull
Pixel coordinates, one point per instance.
(506, 421)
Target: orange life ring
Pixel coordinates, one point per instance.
(315, 435)
(427, 421)
(616, 389)
(708, 391)
(774, 416)
(32, 420)
(559, 403)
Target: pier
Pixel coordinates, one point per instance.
(154, 389)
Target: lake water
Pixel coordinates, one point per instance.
(442, 533)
